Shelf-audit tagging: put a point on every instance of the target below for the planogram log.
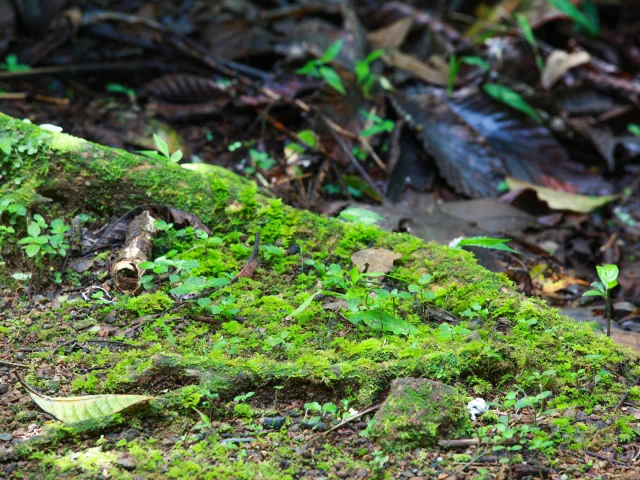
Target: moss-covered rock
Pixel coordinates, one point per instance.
(417, 413)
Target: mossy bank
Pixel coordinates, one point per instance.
(253, 336)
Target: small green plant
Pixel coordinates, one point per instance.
(420, 288)
(320, 69)
(379, 125)
(365, 78)
(119, 88)
(454, 68)
(243, 398)
(167, 331)
(39, 243)
(258, 160)
(163, 148)
(11, 64)
(511, 98)
(608, 275)
(447, 332)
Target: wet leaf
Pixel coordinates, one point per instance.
(558, 200)
(377, 259)
(90, 407)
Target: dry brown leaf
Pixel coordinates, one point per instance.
(416, 67)
(558, 200)
(559, 63)
(377, 259)
(391, 36)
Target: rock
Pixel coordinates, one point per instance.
(126, 461)
(317, 426)
(417, 413)
(129, 434)
(273, 422)
(5, 437)
(4, 388)
(361, 473)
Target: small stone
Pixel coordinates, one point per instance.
(5, 437)
(316, 426)
(273, 422)
(126, 461)
(129, 434)
(361, 473)
(4, 388)
(31, 427)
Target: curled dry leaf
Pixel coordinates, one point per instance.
(391, 36)
(90, 407)
(558, 200)
(559, 63)
(375, 260)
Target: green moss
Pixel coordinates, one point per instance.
(148, 303)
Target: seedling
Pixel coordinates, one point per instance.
(243, 398)
(163, 148)
(362, 216)
(38, 243)
(379, 125)
(454, 68)
(119, 88)
(364, 76)
(11, 64)
(320, 69)
(608, 275)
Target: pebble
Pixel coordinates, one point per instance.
(4, 388)
(31, 427)
(126, 461)
(273, 422)
(361, 473)
(5, 437)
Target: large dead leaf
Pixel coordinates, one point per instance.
(391, 36)
(375, 260)
(475, 141)
(415, 66)
(78, 409)
(558, 200)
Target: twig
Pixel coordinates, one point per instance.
(12, 364)
(626, 394)
(604, 457)
(356, 163)
(370, 408)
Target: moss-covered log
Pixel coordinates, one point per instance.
(251, 341)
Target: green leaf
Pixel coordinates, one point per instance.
(308, 137)
(152, 154)
(476, 61)
(147, 265)
(309, 68)
(161, 144)
(592, 293)
(32, 250)
(569, 9)
(634, 128)
(527, 32)
(373, 56)
(332, 78)
(34, 229)
(373, 130)
(486, 242)
(303, 306)
(360, 215)
(524, 402)
(362, 71)
(513, 99)
(332, 52)
(176, 156)
(91, 407)
(381, 320)
(313, 407)
(454, 68)
(608, 275)
(5, 145)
